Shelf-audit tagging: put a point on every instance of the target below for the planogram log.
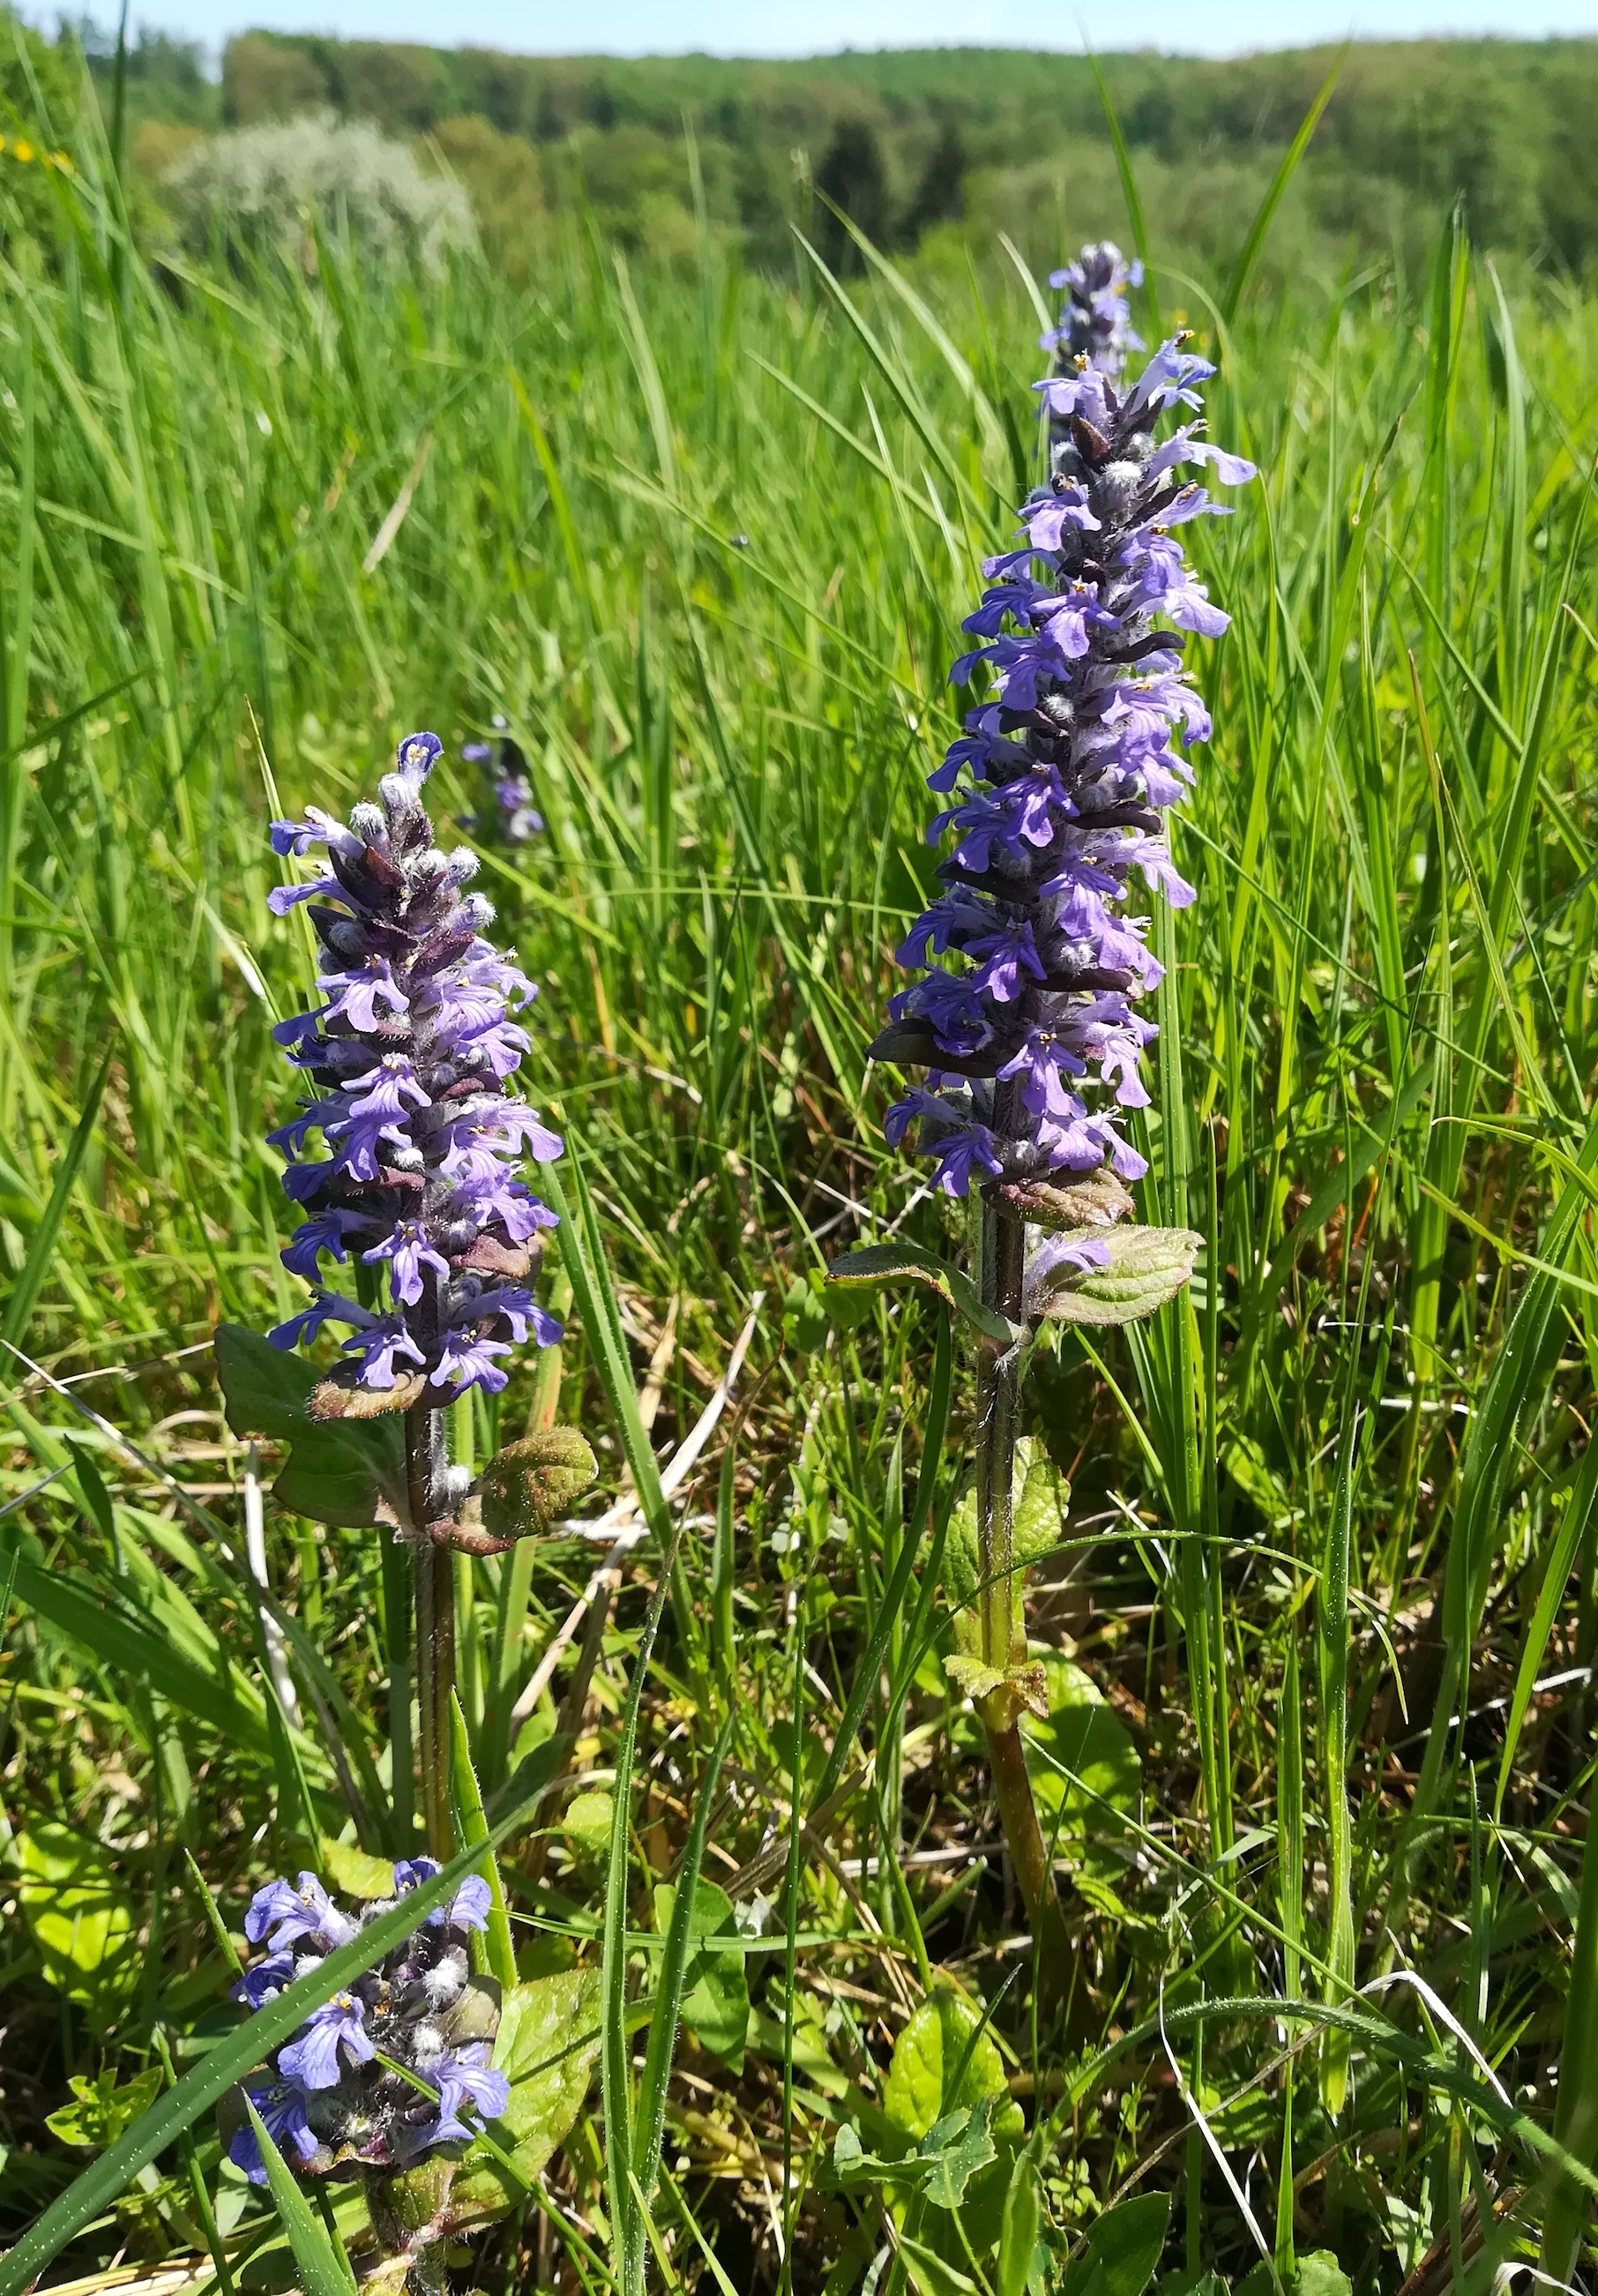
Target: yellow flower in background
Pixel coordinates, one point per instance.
(21, 150)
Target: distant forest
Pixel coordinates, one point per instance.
(936, 150)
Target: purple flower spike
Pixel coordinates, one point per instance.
(510, 817)
(407, 1059)
(344, 2088)
(1096, 324)
(1059, 778)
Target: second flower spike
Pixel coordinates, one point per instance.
(406, 1063)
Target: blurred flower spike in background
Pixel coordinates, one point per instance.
(510, 817)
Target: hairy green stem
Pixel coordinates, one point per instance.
(435, 1656)
(1004, 1630)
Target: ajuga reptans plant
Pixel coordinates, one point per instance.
(417, 1189)
(391, 2068)
(510, 817)
(1031, 1036)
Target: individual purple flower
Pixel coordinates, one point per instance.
(408, 1054)
(465, 2076)
(377, 1350)
(313, 1237)
(467, 1909)
(1059, 778)
(410, 1253)
(311, 2060)
(469, 1359)
(282, 2108)
(284, 1912)
(264, 1981)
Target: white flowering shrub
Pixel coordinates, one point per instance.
(268, 181)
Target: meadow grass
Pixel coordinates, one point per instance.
(1321, 1775)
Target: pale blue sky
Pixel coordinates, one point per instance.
(815, 27)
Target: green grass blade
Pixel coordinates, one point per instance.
(1243, 271)
(671, 1980)
(321, 2272)
(582, 1254)
(1129, 193)
(473, 1825)
(1569, 2209)
(621, 2155)
(868, 1672)
(31, 1276)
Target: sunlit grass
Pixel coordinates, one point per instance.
(706, 547)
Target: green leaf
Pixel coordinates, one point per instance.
(978, 1681)
(1123, 2249)
(929, 2275)
(1147, 1267)
(1019, 2228)
(1081, 1759)
(78, 1916)
(96, 1498)
(1320, 2274)
(716, 2003)
(589, 1820)
(806, 1323)
(322, 1480)
(958, 2147)
(354, 1871)
(337, 1472)
(320, 2273)
(925, 2081)
(547, 2041)
(264, 1388)
(101, 2111)
(1096, 1199)
(874, 1267)
(1042, 1497)
(531, 1484)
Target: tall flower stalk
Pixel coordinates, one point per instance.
(405, 1066)
(1031, 1036)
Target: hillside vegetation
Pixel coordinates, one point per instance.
(945, 146)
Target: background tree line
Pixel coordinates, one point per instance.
(928, 149)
